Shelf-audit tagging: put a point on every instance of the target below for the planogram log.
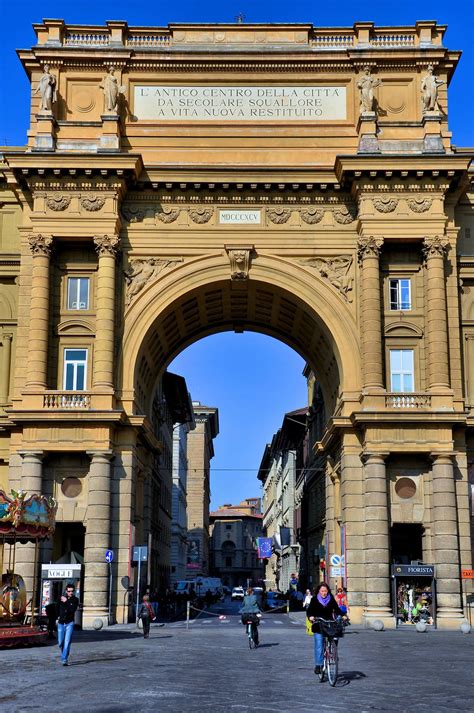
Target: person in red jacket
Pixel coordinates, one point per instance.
(323, 606)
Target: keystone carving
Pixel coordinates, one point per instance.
(312, 215)
(336, 271)
(436, 246)
(58, 203)
(344, 215)
(200, 215)
(93, 204)
(385, 204)
(239, 258)
(369, 247)
(141, 272)
(106, 245)
(133, 214)
(279, 215)
(169, 215)
(40, 244)
(419, 205)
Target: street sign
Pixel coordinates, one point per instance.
(337, 571)
(336, 560)
(140, 553)
(413, 570)
(109, 555)
(467, 574)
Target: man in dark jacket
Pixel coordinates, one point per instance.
(67, 608)
(322, 606)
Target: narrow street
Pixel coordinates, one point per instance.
(210, 667)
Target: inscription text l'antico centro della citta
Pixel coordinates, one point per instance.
(244, 103)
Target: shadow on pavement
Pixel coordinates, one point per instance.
(266, 646)
(346, 677)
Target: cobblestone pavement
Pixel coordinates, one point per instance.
(210, 668)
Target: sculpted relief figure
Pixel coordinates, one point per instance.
(429, 90)
(366, 86)
(47, 90)
(111, 89)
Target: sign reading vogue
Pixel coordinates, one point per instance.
(240, 103)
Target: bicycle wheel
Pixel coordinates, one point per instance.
(250, 636)
(332, 662)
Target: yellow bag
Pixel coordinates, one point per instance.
(309, 624)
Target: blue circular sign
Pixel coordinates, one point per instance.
(109, 555)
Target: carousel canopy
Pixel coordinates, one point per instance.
(26, 519)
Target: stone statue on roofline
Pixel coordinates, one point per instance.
(429, 90)
(111, 89)
(47, 90)
(366, 85)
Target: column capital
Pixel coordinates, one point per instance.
(369, 457)
(106, 245)
(100, 455)
(40, 244)
(442, 458)
(369, 246)
(36, 455)
(435, 246)
(7, 336)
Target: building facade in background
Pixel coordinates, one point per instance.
(200, 454)
(179, 525)
(297, 181)
(234, 531)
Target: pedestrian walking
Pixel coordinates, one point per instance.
(67, 607)
(341, 599)
(307, 598)
(147, 615)
(323, 606)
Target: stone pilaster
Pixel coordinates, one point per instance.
(6, 367)
(103, 365)
(97, 540)
(352, 505)
(377, 545)
(31, 482)
(371, 314)
(434, 249)
(446, 541)
(40, 246)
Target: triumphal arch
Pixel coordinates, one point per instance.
(297, 181)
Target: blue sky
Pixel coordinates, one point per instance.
(251, 378)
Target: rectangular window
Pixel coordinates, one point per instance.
(78, 293)
(400, 294)
(402, 371)
(228, 561)
(228, 527)
(75, 369)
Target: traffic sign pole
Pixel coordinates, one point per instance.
(110, 593)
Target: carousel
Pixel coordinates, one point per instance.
(22, 520)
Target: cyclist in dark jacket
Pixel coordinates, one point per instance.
(249, 610)
(323, 606)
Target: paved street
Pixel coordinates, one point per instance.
(211, 668)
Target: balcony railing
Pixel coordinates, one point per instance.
(408, 401)
(71, 400)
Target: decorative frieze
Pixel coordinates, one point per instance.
(279, 215)
(385, 204)
(335, 270)
(133, 213)
(58, 203)
(344, 215)
(419, 204)
(40, 244)
(312, 215)
(201, 215)
(106, 245)
(142, 272)
(92, 204)
(169, 215)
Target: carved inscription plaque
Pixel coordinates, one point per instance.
(240, 103)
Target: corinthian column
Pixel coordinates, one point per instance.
(103, 364)
(371, 313)
(446, 541)
(434, 249)
(40, 246)
(377, 549)
(97, 540)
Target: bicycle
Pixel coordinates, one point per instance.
(332, 630)
(251, 621)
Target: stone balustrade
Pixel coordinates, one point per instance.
(405, 401)
(66, 400)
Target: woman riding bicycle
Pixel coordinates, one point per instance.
(323, 606)
(250, 606)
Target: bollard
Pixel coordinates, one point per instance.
(287, 606)
(188, 609)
